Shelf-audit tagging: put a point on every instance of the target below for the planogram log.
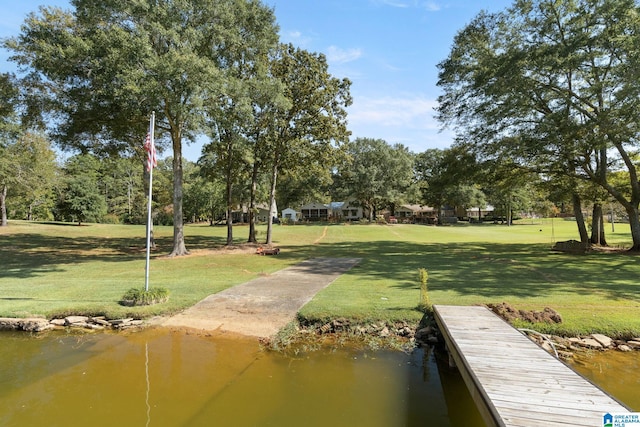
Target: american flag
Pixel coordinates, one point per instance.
(150, 148)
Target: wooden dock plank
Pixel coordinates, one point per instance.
(513, 381)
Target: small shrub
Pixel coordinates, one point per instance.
(137, 296)
(425, 304)
(111, 219)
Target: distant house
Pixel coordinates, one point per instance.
(315, 212)
(351, 210)
(290, 214)
(415, 213)
(241, 214)
(474, 214)
(263, 214)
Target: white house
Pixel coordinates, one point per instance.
(476, 213)
(290, 214)
(351, 210)
(315, 212)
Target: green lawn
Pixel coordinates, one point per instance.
(54, 269)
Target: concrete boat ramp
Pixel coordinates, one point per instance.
(261, 307)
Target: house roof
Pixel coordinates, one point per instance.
(418, 208)
(315, 205)
(488, 208)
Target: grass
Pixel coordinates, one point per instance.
(55, 269)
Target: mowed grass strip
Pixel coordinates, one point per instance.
(53, 269)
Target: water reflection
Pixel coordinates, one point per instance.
(615, 372)
(164, 378)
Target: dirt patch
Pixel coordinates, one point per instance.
(324, 234)
(509, 313)
(242, 248)
(246, 248)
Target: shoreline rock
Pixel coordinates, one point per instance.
(38, 324)
(410, 333)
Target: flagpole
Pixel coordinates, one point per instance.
(149, 223)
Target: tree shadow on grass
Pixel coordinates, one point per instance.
(488, 270)
(26, 255)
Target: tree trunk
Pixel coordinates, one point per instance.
(228, 197)
(634, 222)
(229, 225)
(272, 197)
(179, 248)
(228, 176)
(3, 205)
(252, 203)
(597, 226)
(577, 211)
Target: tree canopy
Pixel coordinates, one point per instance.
(103, 67)
(377, 174)
(554, 87)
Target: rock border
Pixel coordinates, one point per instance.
(430, 335)
(425, 336)
(567, 346)
(38, 324)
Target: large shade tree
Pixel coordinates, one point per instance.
(8, 131)
(557, 80)
(377, 174)
(306, 127)
(103, 67)
(34, 173)
(449, 177)
(82, 200)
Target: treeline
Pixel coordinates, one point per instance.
(552, 88)
(377, 175)
(543, 97)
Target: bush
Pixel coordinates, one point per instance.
(111, 219)
(136, 296)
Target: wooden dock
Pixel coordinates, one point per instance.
(512, 380)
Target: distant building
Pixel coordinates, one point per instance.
(477, 213)
(315, 212)
(351, 210)
(415, 214)
(290, 214)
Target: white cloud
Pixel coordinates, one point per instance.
(415, 112)
(340, 56)
(408, 120)
(395, 3)
(431, 6)
(296, 38)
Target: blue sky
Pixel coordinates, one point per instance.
(389, 49)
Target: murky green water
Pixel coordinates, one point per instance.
(615, 372)
(164, 378)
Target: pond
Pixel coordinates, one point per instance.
(158, 377)
(615, 372)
